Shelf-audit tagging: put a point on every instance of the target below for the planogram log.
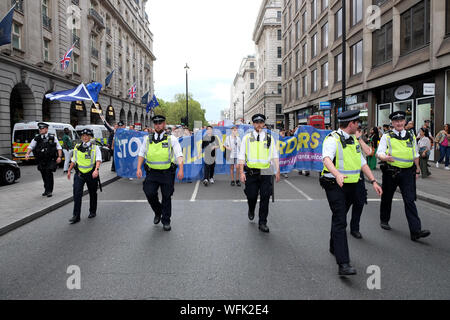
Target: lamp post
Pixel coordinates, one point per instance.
(234, 112)
(187, 97)
(243, 110)
(344, 53)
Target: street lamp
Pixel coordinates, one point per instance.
(243, 110)
(344, 53)
(187, 97)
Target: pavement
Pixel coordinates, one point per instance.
(215, 252)
(23, 202)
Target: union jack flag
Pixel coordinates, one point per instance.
(132, 92)
(66, 59)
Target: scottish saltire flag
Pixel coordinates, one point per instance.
(144, 99)
(66, 59)
(76, 94)
(5, 27)
(132, 92)
(94, 89)
(108, 78)
(152, 104)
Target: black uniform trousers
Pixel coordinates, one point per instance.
(261, 184)
(360, 200)
(47, 177)
(78, 185)
(340, 201)
(405, 179)
(164, 179)
(209, 170)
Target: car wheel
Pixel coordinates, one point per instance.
(9, 176)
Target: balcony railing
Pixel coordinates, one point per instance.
(76, 40)
(94, 53)
(19, 5)
(47, 22)
(76, 2)
(96, 17)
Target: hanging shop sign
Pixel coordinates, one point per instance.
(404, 92)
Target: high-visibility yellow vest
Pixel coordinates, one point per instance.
(159, 155)
(402, 150)
(258, 153)
(348, 158)
(85, 161)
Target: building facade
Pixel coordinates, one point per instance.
(107, 35)
(243, 86)
(267, 36)
(402, 63)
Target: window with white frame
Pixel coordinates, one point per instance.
(46, 50)
(16, 36)
(357, 58)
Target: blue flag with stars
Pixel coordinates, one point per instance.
(152, 104)
(108, 78)
(5, 27)
(144, 99)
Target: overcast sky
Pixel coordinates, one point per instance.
(212, 36)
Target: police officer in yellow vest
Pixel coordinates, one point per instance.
(86, 159)
(159, 152)
(343, 163)
(398, 150)
(258, 150)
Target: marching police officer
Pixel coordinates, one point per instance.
(48, 153)
(398, 149)
(343, 162)
(86, 159)
(159, 151)
(258, 150)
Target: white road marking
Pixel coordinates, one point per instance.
(194, 195)
(298, 190)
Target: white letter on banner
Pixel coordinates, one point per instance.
(138, 142)
(122, 146)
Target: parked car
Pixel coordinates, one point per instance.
(9, 171)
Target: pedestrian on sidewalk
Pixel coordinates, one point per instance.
(424, 145)
(443, 140)
(399, 152)
(48, 153)
(209, 146)
(67, 148)
(86, 160)
(374, 140)
(233, 145)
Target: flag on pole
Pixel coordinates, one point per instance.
(132, 92)
(152, 104)
(144, 99)
(6, 26)
(76, 94)
(65, 61)
(94, 89)
(108, 78)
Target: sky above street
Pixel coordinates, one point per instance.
(212, 36)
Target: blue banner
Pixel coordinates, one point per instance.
(303, 151)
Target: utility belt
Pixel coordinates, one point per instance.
(173, 168)
(79, 173)
(251, 172)
(394, 171)
(326, 182)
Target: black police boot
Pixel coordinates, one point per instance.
(167, 227)
(74, 220)
(251, 215)
(233, 183)
(238, 183)
(421, 234)
(346, 269)
(92, 215)
(264, 228)
(44, 194)
(157, 219)
(332, 251)
(49, 194)
(385, 225)
(356, 234)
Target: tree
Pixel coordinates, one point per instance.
(176, 110)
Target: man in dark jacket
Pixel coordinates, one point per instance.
(209, 146)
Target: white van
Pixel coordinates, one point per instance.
(101, 134)
(24, 133)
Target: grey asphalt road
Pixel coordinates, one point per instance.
(214, 252)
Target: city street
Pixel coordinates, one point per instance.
(214, 252)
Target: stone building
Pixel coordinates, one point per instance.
(242, 88)
(108, 35)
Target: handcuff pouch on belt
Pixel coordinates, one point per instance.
(251, 172)
(326, 182)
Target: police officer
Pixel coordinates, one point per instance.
(258, 150)
(159, 151)
(398, 149)
(343, 162)
(86, 159)
(48, 153)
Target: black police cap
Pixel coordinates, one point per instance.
(89, 132)
(350, 115)
(120, 123)
(42, 125)
(398, 115)
(258, 117)
(158, 118)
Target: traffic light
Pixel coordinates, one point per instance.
(184, 121)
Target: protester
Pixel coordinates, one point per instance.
(443, 139)
(209, 146)
(410, 127)
(424, 145)
(374, 140)
(67, 148)
(232, 145)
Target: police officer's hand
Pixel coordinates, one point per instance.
(139, 173)
(390, 158)
(340, 180)
(377, 188)
(68, 175)
(243, 178)
(180, 175)
(58, 161)
(27, 157)
(95, 174)
(277, 177)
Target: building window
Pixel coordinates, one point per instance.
(304, 22)
(290, 39)
(45, 8)
(415, 27)
(279, 70)
(252, 65)
(93, 72)
(279, 34)
(338, 25)
(278, 16)
(314, 45)
(279, 52)
(75, 63)
(325, 36)
(324, 4)
(297, 60)
(279, 109)
(304, 53)
(382, 44)
(17, 36)
(447, 17)
(357, 11)
(313, 11)
(338, 67)
(297, 89)
(252, 86)
(297, 30)
(304, 86)
(290, 91)
(280, 88)
(252, 76)
(357, 59)
(46, 50)
(324, 75)
(314, 80)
